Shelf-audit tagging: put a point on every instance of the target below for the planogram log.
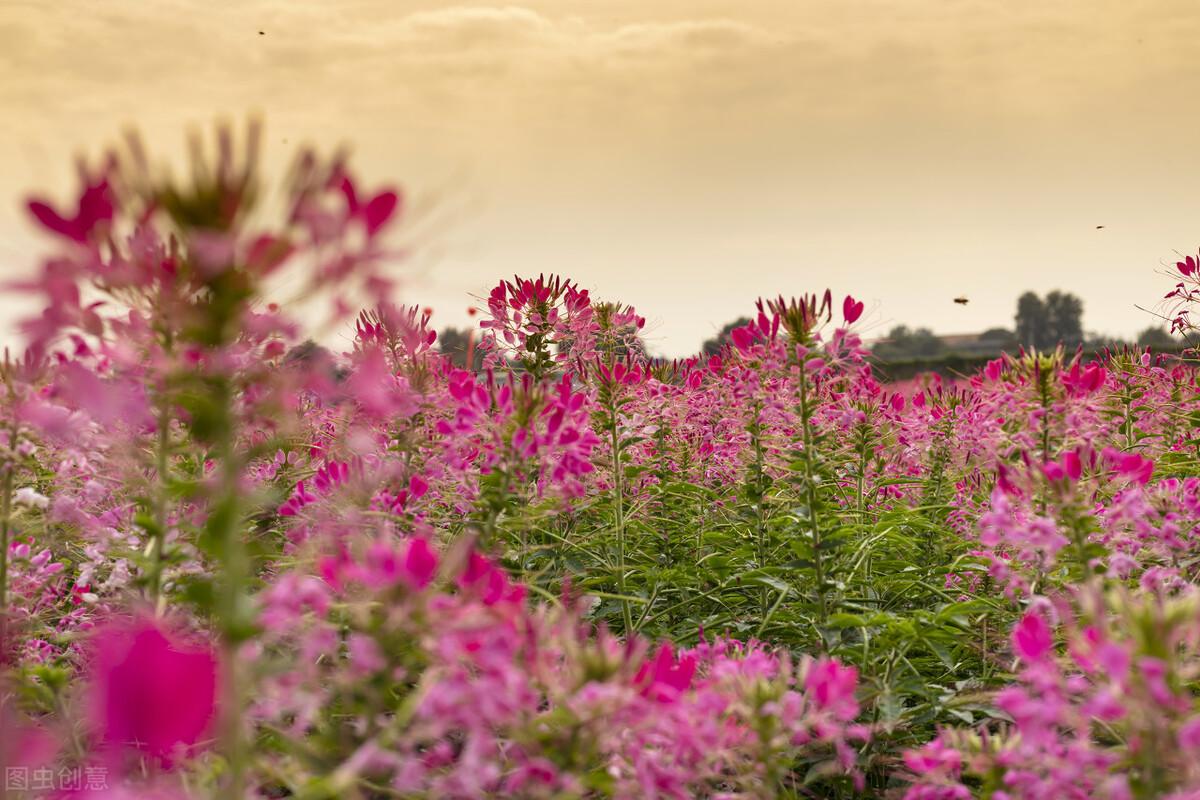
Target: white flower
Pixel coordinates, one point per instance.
(28, 496)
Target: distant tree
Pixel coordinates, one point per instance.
(1158, 337)
(999, 338)
(453, 342)
(713, 346)
(1044, 323)
(1064, 312)
(1032, 326)
(902, 344)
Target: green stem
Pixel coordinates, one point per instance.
(619, 496)
(226, 512)
(760, 521)
(811, 491)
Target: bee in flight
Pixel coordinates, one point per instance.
(962, 301)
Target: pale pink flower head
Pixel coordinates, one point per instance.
(151, 689)
(934, 758)
(1189, 735)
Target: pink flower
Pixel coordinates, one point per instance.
(1072, 465)
(95, 207)
(1084, 381)
(664, 679)
(375, 212)
(935, 757)
(1032, 638)
(150, 689)
(420, 563)
(851, 309)
(994, 369)
(490, 582)
(1189, 735)
(831, 687)
(743, 338)
(1130, 465)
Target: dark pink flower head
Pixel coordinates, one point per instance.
(1031, 638)
(420, 563)
(851, 309)
(1072, 465)
(994, 369)
(663, 679)
(489, 582)
(1130, 465)
(1067, 469)
(831, 688)
(150, 689)
(95, 207)
(375, 211)
(1080, 381)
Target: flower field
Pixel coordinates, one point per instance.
(235, 563)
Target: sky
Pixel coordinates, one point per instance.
(684, 156)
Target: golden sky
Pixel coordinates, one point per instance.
(685, 156)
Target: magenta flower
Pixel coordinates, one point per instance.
(994, 369)
(1032, 638)
(375, 212)
(420, 563)
(832, 686)
(1083, 381)
(95, 207)
(664, 679)
(489, 582)
(851, 309)
(1130, 465)
(1072, 465)
(150, 689)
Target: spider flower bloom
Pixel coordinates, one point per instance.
(150, 689)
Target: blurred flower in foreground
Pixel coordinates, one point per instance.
(152, 690)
